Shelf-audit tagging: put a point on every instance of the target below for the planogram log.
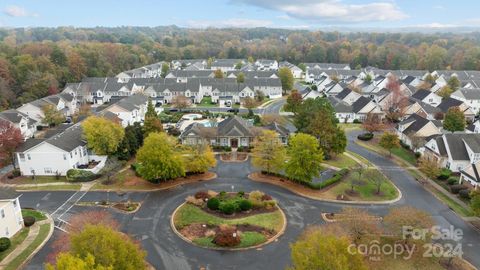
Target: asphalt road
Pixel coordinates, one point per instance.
(150, 225)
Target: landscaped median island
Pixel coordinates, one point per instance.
(230, 221)
(359, 185)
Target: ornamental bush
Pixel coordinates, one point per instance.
(452, 181)
(245, 205)
(455, 189)
(75, 175)
(365, 136)
(464, 194)
(213, 204)
(28, 221)
(444, 174)
(227, 237)
(202, 195)
(227, 208)
(4, 244)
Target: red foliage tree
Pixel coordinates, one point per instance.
(373, 123)
(396, 102)
(10, 139)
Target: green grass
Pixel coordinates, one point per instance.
(341, 161)
(459, 209)
(405, 154)
(42, 235)
(367, 190)
(248, 239)
(207, 102)
(349, 127)
(361, 158)
(16, 240)
(52, 187)
(39, 180)
(39, 216)
(189, 214)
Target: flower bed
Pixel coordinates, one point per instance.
(229, 220)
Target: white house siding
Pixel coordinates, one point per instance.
(32, 111)
(46, 159)
(11, 220)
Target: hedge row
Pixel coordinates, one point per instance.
(337, 176)
(75, 175)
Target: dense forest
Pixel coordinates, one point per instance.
(35, 62)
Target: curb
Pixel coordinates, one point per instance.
(275, 237)
(212, 177)
(50, 233)
(399, 197)
(113, 208)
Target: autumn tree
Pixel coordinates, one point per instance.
(180, 102)
(396, 102)
(309, 252)
(102, 135)
(83, 112)
(454, 120)
(360, 225)
(269, 153)
(10, 139)
(109, 248)
(376, 178)
(249, 103)
(131, 142)
(259, 96)
(445, 91)
(67, 261)
(51, 116)
(401, 221)
(294, 101)
(389, 141)
(286, 77)
(218, 74)
(429, 167)
(199, 158)
(453, 83)
(152, 122)
(373, 123)
(305, 158)
(158, 159)
(241, 77)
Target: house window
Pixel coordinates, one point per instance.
(29, 157)
(48, 170)
(84, 151)
(22, 157)
(64, 156)
(71, 156)
(2, 213)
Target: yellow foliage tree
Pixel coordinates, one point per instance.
(103, 136)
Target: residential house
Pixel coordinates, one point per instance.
(471, 97)
(11, 220)
(416, 130)
(266, 65)
(455, 151)
(57, 154)
(470, 175)
(227, 64)
(296, 71)
(25, 124)
(131, 109)
(427, 97)
(448, 103)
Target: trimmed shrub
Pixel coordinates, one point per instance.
(194, 201)
(241, 193)
(452, 181)
(455, 189)
(418, 154)
(202, 195)
(356, 121)
(4, 244)
(245, 205)
(365, 136)
(227, 237)
(335, 178)
(464, 194)
(227, 208)
(269, 204)
(444, 174)
(213, 204)
(266, 197)
(75, 175)
(28, 221)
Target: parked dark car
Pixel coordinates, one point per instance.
(232, 110)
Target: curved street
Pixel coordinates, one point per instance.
(151, 224)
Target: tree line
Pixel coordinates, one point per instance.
(36, 62)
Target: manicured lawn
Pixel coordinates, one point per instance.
(53, 187)
(207, 102)
(38, 180)
(16, 240)
(248, 239)
(188, 214)
(39, 216)
(349, 127)
(405, 154)
(43, 233)
(341, 161)
(459, 209)
(361, 158)
(366, 191)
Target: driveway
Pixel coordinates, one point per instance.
(151, 224)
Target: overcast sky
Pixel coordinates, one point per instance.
(302, 14)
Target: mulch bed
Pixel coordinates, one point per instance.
(125, 206)
(242, 214)
(198, 230)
